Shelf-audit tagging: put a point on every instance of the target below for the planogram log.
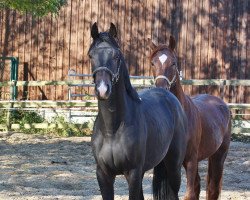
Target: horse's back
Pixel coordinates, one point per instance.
(215, 119)
(212, 106)
(158, 103)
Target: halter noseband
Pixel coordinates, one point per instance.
(166, 78)
(114, 76)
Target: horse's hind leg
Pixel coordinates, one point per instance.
(106, 184)
(174, 180)
(215, 171)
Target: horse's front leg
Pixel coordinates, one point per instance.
(106, 183)
(134, 178)
(193, 179)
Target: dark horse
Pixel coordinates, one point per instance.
(209, 124)
(133, 133)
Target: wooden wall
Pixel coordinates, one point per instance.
(212, 41)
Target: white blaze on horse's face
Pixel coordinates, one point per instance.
(102, 89)
(163, 58)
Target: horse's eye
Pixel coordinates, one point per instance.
(116, 56)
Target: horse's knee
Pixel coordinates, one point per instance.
(190, 197)
(214, 177)
(197, 186)
(213, 193)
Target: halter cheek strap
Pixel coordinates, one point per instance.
(114, 76)
(166, 78)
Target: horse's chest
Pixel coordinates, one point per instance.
(112, 155)
(119, 152)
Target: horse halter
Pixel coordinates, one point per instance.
(174, 79)
(114, 76)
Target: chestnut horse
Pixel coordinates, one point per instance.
(209, 124)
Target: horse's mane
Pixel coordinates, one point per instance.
(129, 88)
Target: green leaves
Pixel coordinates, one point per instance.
(38, 8)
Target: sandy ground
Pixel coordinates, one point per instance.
(39, 167)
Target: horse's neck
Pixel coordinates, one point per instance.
(177, 90)
(114, 110)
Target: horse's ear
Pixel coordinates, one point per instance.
(94, 31)
(172, 42)
(112, 30)
(152, 44)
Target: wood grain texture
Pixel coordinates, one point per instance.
(212, 41)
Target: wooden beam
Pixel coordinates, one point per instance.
(137, 82)
(235, 129)
(78, 103)
(239, 105)
(48, 104)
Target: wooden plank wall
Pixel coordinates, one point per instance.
(212, 41)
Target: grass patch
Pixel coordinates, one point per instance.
(64, 128)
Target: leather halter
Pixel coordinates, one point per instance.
(114, 76)
(174, 79)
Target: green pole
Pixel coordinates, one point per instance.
(14, 77)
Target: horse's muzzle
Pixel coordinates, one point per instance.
(103, 90)
(162, 83)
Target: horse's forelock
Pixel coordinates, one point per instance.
(106, 37)
(158, 48)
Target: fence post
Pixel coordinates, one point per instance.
(222, 88)
(9, 112)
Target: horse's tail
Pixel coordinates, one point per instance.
(161, 187)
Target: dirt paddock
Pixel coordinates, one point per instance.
(39, 167)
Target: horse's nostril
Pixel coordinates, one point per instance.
(102, 90)
(108, 89)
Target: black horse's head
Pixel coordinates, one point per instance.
(105, 57)
(108, 65)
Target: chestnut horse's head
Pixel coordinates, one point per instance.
(164, 61)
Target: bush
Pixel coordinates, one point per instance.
(64, 128)
(70, 129)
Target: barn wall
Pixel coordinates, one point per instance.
(212, 41)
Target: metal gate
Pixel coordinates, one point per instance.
(14, 61)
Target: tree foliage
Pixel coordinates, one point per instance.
(35, 7)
